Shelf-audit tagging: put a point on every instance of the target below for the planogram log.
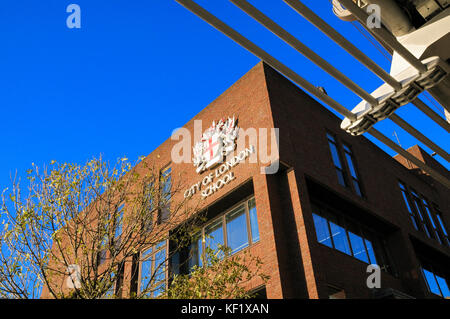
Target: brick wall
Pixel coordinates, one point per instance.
(298, 265)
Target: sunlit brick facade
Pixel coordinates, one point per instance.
(334, 206)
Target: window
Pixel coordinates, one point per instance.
(359, 248)
(341, 170)
(370, 251)
(339, 238)
(119, 281)
(151, 195)
(118, 227)
(147, 222)
(115, 289)
(436, 284)
(253, 220)
(213, 234)
(336, 159)
(134, 276)
(422, 216)
(146, 269)
(418, 206)
(441, 224)
(235, 229)
(430, 218)
(237, 232)
(408, 206)
(322, 230)
(165, 185)
(353, 171)
(110, 292)
(101, 256)
(195, 252)
(112, 223)
(153, 270)
(350, 238)
(118, 221)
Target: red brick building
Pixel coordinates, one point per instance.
(337, 203)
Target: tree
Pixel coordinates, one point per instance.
(74, 227)
(222, 277)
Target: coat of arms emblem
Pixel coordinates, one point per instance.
(217, 142)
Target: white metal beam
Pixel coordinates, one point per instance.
(431, 114)
(303, 49)
(414, 132)
(253, 48)
(384, 36)
(323, 64)
(339, 39)
(389, 143)
(263, 55)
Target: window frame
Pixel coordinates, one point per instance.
(116, 289)
(118, 284)
(427, 207)
(380, 252)
(348, 150)
(222, 217)
(153, 261)
(161, 183)
(407, 200)
(152, 207)
(432, 271)
(111, 292)
(118, 225)
(115, 241)
(331, 139)
(338, 221)
(426, 216)
(416, 199)
(359, 234)
(441, 223)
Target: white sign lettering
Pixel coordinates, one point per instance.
(217, 141)
(222, 173)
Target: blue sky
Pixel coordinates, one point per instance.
(138, 69)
